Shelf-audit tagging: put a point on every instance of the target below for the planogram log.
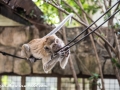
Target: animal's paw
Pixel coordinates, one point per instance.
(32, 59)
(65, 51)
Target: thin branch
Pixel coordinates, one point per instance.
(8, 54)
(78, 3)
(73, 11)
(82, 65)
(117, 47)
(117, 7)
(110, 2)
(54, 2)
(105, 4)
(101, 5)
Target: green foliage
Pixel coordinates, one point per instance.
(94, 76)
(51, 15)
(107, 16)
(114, 61)
(116, 26)
(90, 8)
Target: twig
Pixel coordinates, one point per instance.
(101, 5)
(117, 7)
(117, 47)
(54, 2)
(110, 2)
(4, 53)
(8, 54)
(78, 3)
(73, 10)
(83, 66)
(105, 4)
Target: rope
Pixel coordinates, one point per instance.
(94, 29)
(90, 26)
(4, 53)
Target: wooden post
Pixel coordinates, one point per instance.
(58, 83)
(23, 82)
(0, 81)
(83, 82)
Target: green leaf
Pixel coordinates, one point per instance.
(94, 76)
(114, 61)
(118, 65)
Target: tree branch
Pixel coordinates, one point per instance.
(110, 3)
(54, 2)
(105, 4)
(78, 3)
(117, 7)
(70, 59)
(73, 10)
(117, 47)
(94, 47)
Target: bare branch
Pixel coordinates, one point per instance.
(81, 63)
(54, 2)
(105, 3)
(73, 10)
(117, 7)
(110, 1)
(78, 3)
(117, 47)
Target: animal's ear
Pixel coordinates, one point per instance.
(25, 52)
(27, 47)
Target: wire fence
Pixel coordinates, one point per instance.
(52, 83)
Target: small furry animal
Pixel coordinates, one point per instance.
(45, 48)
